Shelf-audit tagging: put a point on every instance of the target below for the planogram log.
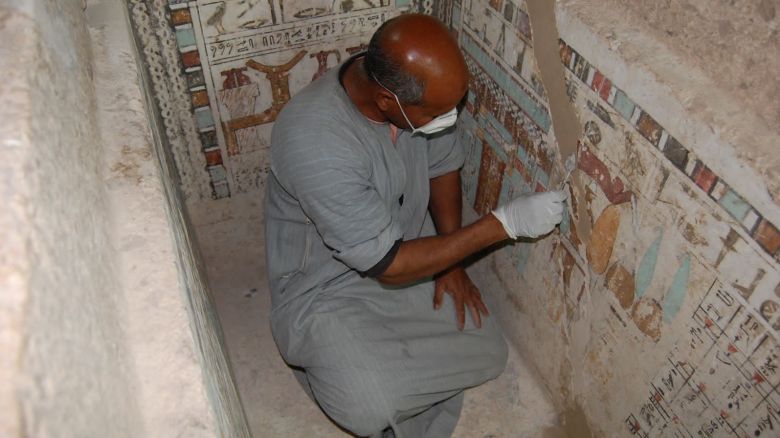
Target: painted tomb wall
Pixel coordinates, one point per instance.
(654, 309)
(222, 71)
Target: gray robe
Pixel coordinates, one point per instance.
(339, 196)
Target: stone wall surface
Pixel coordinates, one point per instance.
(102, 305)
(734, 43)
(66, 367)
(173, 331)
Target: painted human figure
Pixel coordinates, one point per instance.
(364, 238)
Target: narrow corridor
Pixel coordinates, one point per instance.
(654, 311)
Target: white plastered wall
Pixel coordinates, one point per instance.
(96, 288)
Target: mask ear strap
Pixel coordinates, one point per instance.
(403, 113)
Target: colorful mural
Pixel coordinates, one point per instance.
(244, 59)
(655, 240)
(719, 389)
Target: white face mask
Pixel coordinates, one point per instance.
(438, 124)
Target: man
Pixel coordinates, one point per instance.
(358, 159)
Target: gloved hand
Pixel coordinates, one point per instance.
(532, 214)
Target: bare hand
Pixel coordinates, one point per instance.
(457, 284)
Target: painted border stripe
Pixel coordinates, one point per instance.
(763, 232)
(208, 139)
(735, 205)
(690, 167)
(718, 190)
(662, 141)
(535, 110)
(221, 189)
(703, 177)
(768, 237)
(751, 220)
(191, 59)
(204, 118)
(185, 38)
(180, 16)
(218, 172)
(674, 151)
(623, 105)
(177, 4)
(500, 128)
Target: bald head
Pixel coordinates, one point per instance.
(416, 57)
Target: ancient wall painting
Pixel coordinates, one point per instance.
(693, 263)
(719, 379)
(509, 114)
(647, 265)
(654, 240)
(239, 107)
(506, 120)
(602, 239)
(244, 59)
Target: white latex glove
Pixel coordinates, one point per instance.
(532, 214)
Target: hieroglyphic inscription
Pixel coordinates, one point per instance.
(295, 35)
(720, 379)
(251, 55)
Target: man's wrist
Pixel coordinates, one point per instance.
(458, 267)
(496, 229)
(451, 270)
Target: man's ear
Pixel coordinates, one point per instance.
(384, 100)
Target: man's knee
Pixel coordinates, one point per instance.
(496, 350)
(365, 418)
(500, 354)
(363, 410)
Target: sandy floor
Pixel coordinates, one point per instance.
(231, 240)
